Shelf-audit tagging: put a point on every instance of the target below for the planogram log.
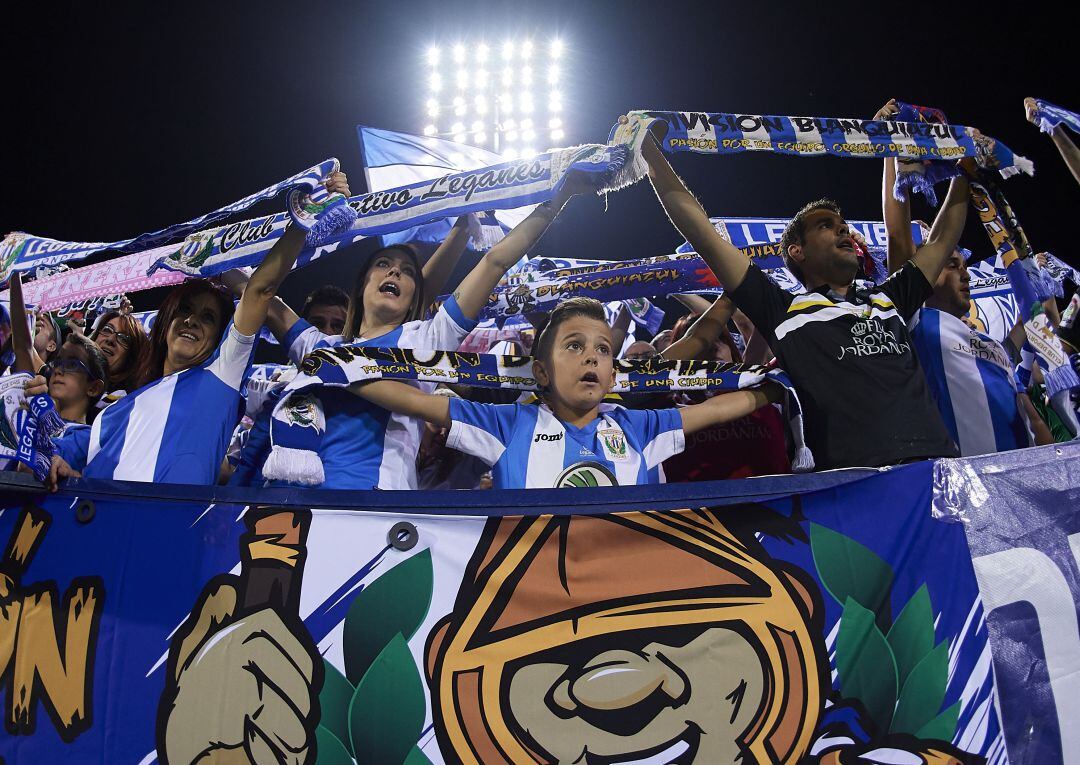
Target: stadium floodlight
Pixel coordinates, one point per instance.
(477, 90)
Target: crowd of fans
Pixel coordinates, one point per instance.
(883, 372)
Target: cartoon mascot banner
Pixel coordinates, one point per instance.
(829, 618)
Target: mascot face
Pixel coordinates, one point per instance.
(684, 696)
(612, 640)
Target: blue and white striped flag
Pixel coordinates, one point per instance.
(392, 159)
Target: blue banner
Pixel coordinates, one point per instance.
(822, 618)
(1021, 514)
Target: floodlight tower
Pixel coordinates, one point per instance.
(509, 100)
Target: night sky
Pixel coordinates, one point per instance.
(123, 119)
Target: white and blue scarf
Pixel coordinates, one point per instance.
(22, 252)
(1049, 116)
(299, 423)
(722, 133)
(503, 186)
(28, 425)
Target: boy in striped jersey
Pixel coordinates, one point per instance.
(847, 349)
(572, 438)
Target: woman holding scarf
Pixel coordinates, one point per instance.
(175, 427)
(360, 445)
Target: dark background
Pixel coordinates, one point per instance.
(119, 119)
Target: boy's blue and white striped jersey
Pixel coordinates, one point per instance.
(365, 446)
(528, 447)
(971, 377)
(174, 430)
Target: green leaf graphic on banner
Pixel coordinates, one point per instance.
(942, 727)
(396, 602)
(866, 664)
(912, 635)
(416, 757)
(330, 750)
(387, 711)
(922, 694)
(850, 570)
(334, 699)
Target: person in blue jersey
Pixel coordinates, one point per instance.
(175, 427)
(970, 374)
(366, 446)
(572, 438)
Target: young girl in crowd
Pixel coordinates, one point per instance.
(77, 377)
(175, 427)
(572, 438)
(365, 446)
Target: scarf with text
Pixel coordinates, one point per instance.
(22, 252)
(28, 425)
(721, 133)
(1012, 248)
(299, 423)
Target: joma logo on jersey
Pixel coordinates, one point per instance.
(545, 437)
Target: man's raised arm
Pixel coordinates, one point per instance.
(689, 217)
(946, 231)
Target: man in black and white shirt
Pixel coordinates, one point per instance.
(846, 349)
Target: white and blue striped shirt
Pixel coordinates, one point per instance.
(174, 430)
(971, 377)
(528, 447)
(365, 446)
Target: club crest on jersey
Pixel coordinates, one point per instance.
(614, 441)
(585, 475)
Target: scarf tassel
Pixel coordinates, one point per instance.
(301, 466)
(336, 218)
(1060, 379)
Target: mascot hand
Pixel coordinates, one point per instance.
(241, 688)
